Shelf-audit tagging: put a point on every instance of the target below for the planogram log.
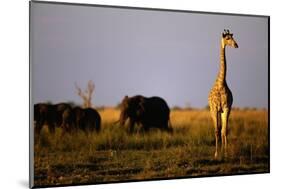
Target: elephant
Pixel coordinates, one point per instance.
(49, 114)
(60, 109)
(44, 114)
(152, 112)
(87, 119)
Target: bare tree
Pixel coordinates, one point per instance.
(87, 94)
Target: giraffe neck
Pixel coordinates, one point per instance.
(222, 73)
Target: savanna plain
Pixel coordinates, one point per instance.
(114, 155)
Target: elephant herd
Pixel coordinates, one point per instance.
(67, 117)
(149, 113)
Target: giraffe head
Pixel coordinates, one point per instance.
(228, 40)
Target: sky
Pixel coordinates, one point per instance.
(174, 55)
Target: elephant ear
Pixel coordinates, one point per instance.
(126, 98)
(125, 102)
(141, 109)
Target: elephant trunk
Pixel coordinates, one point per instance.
(121, 121)
(122, 118)
(116, 122)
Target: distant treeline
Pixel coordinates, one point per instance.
(178, 108)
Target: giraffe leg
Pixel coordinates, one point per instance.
(224, 118)
(214, 114)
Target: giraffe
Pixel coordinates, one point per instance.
(220, 97)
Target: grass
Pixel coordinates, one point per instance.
(114, 155)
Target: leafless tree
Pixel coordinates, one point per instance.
(87, 94)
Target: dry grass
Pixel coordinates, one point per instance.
(113, 155)
(109, 115)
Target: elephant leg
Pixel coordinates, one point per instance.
(170, 128)
(77, 125)
(145, 128)
(92, 126)
(39, 125)
(51, 127)
(63, 126)
(97, 125)
(38, 128)
(131, 125)
(68, 127)
(166, 127)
